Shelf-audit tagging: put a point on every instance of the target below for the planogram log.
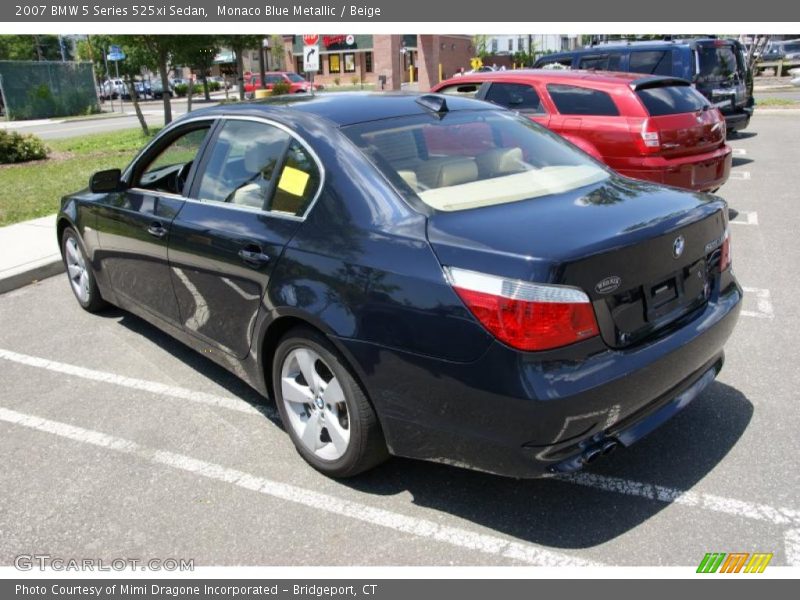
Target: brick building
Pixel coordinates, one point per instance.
(352, 59)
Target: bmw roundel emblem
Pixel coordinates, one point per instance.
(677, 246)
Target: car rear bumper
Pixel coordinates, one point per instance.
(527, 414)
(699, 172)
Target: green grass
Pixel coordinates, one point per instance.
(31, 190)
(777, 102)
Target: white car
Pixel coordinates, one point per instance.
(112, 88)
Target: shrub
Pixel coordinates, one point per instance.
(16, 147)
(181, 89)
(336, 81)
(355, 80)
(213, 86)
(281, 88)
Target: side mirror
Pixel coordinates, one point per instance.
(106, 181)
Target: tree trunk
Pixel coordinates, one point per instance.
(206, 92)
(189, 93)
(240, 72)
(166, 95)
(136, 107)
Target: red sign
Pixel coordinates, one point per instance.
(330, 40)
(311, 39)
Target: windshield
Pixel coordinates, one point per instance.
(791, 48)
(471, 159)
(295, 77)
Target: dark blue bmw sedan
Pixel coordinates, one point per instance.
(418, 275)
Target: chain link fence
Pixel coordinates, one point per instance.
(39, 90)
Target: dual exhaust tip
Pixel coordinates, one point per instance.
(602, 449)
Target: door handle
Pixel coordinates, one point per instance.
(156, 229)
(253, 256)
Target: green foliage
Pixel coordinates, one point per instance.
(16, 147)
(281, 88)
(33, 47)
(181, 90)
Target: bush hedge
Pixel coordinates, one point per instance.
(16, 147)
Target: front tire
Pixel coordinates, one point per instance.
(324, 410)
(80, 274)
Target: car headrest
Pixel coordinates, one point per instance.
(410, 178)
(457, 171)
(499, 161)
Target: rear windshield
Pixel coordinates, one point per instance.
(791, 47)
(671, 100)
(716, 62)
(471, 159)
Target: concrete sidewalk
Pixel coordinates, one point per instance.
(28, 252)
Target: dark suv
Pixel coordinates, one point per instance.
(716, 67)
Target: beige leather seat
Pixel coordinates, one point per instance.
(445, 172)
(500, 161)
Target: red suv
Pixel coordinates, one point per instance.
(643, 126)
(296, 83)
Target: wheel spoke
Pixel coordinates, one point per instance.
(74, 271)
(306, 360)
(72, 251)
(340, 437)
(311, 432)
(333, 393)
(294, 392)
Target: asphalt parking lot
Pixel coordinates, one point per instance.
(119, 442)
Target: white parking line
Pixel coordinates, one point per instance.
(137, 384)
(711, 502)
(791, 544)
(739, 175)
(423, 528)
(763, 304)
(745, 217)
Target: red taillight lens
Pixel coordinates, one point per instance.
(725, 252)
(526, 316)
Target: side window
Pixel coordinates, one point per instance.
(298, 182)
(575, 100)
(168, 169)
(463, 89)
(597, 62)
(260, 166)
(273, 79)
(653, 62)
(515, 96)
(243, 163)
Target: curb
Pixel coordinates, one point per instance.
(41, 270)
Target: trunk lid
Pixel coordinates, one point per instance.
(614, 240)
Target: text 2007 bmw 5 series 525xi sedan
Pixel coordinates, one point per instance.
(415, 275)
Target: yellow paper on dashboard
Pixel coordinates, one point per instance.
(293, 181)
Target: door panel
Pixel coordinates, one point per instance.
(133, 226)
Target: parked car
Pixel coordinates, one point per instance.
(420, 275)
(716, 67)
(297, 84)
(111, 89)
(142, 88)
(157, 89)
(643, 126)
(782, 50)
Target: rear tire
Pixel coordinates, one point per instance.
(324, 410)
(79, 271)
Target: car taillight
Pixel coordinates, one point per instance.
(526, 316)
(725, 252)
(651, 141)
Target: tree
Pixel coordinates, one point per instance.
(238, 43)
(197, 52)
(33, 47)
(159, 49)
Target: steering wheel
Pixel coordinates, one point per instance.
(181, 177)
